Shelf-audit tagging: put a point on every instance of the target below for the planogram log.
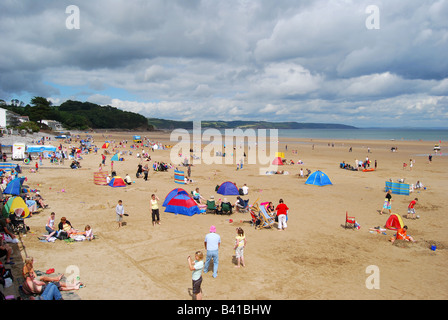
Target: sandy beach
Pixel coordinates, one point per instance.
(315, 258)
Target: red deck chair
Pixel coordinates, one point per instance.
(349, 221)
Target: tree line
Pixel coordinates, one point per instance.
(77, 115)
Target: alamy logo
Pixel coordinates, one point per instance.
(235, 146)
(73, 20)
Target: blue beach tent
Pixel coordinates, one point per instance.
(14, 187)
(318, 178)
(228, 189)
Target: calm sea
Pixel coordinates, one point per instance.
(435, 135)
(390, 134)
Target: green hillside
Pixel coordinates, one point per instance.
(172, 124)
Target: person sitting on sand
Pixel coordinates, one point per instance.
(197, 196)
(128, 179)
(419, 185)
(5, 251)
(402, 235)
(88, 233)
(29, 268)
(38, 198)
(32, 285)
(66, 226)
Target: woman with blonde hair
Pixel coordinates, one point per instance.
(196, 266)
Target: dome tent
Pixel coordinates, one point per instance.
(318, 178)
(178, 201)
(228, 189)
(117, 182)
(394, 222)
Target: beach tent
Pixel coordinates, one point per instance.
(115, 157)
(117, 182)
(14, 187)
(228, 189)
(15, 203)
(178, 201)
(280, 154)
(394, 222)
(278, 161)
(105, 145)
(179, 176)
(318, 178)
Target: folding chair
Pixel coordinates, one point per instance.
(255, 216)
(226, 209)
(349, 221)
(267, 220)
(245, 208)
(211, 206)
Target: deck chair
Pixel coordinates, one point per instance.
(255, 216)
(266, 220)
(349, 221)
(211, 206)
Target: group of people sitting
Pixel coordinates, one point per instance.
(347, 166)
(225, 206)
(65, 230)
(160, 166)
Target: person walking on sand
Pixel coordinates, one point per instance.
(240, 244)
(212, 243)
(387, 202)
(196, 266)
(119, 210)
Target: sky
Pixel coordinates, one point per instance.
(362, 63)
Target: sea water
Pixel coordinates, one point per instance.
(436, 135)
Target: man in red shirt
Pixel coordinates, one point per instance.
(411, 210)
(282, 212)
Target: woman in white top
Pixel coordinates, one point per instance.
(50, 223)
(155, 209)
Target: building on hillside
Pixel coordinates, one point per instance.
(10, 119)
(54, 125)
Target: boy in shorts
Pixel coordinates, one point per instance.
(411, 210)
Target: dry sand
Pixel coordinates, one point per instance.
(315, 258)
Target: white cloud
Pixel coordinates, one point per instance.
(248, 59)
